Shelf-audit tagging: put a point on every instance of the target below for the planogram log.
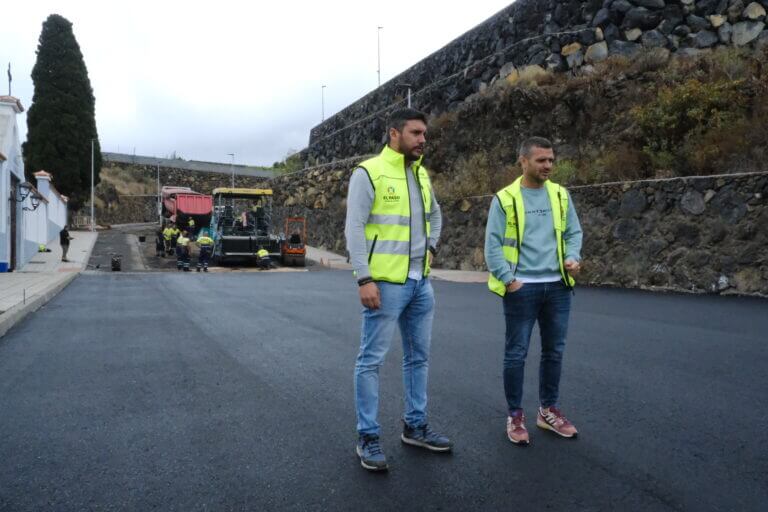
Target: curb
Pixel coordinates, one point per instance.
(18, 312)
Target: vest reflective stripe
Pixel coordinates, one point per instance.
(389, 247)
(388, 230)
(392, 220)
(511, 201)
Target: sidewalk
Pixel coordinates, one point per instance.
(45, 275)
(332, 260)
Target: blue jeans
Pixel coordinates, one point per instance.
(411, 306)
(550, 304)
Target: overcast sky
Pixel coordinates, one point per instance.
(208, 79)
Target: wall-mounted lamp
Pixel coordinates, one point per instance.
(25, 189)
(35, 200)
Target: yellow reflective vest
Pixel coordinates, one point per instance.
(511, 201)
(204, 240)
(168, 234)
(182, 241)
(263, 253)
(388, 230)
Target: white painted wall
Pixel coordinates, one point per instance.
(10, 147)
(34, 227)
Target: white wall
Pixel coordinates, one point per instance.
(14, 165)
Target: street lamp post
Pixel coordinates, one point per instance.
(93, 221)
(232, 167)
(378, 52)
(159, 203)
(322, 102)
(408, 86)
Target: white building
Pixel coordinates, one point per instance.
(29, 215)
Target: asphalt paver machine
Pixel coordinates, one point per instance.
(242, 223)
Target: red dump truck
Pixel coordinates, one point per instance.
(182, 203)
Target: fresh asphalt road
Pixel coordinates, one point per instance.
(166, 391)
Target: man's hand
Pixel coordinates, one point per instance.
(429, 258)
(572, 267)
(513, 286)
(370, 296)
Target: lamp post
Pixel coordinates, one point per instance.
(159, 200)
(378, 52)
(408, 86)
(93, 220)
(322, 102)
(232, 167)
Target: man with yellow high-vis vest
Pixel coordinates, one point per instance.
(392, 228)
(532, 250)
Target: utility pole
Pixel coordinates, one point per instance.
(159, 203)
(409, 92)
(322, 102)
(378, 48)
(232, 168)
(93, 221)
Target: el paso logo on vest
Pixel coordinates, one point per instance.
(390, 196)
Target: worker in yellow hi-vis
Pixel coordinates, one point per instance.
(206, 249)
(263, 261)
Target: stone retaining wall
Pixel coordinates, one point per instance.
(537, 34)
(696, 234)
(126, 209)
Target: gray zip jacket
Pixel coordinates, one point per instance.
(359, 204)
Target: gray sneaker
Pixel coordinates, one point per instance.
(425, 437)
(371, 455)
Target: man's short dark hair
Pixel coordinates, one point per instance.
(533, 142)
(399, 117)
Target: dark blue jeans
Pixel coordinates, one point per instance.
(550, 305)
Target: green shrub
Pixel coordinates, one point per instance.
(678, 115)
(564, 171)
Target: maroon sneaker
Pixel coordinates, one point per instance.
(550, 418)
(516, 431)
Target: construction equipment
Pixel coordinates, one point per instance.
(182, 203)
(241, 224)
(293, 250)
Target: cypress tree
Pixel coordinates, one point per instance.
(61, 120)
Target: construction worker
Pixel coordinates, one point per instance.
(167, 236)
(263, 258)
(174, 236)
(160, 243)
(206, 249)
(191, 227)
(182, 252)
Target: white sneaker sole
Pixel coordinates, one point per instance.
(368, 466)
(546, 426)
(413, 442)
(518, 443)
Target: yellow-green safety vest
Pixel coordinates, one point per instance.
(388, 230)
(262, 253)
(511, 201)
(167, 233)
(204, 240)
(182, 241)
(191, 223)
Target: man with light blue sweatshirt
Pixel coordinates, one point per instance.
(532, 250)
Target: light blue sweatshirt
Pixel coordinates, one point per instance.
(538, 252)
